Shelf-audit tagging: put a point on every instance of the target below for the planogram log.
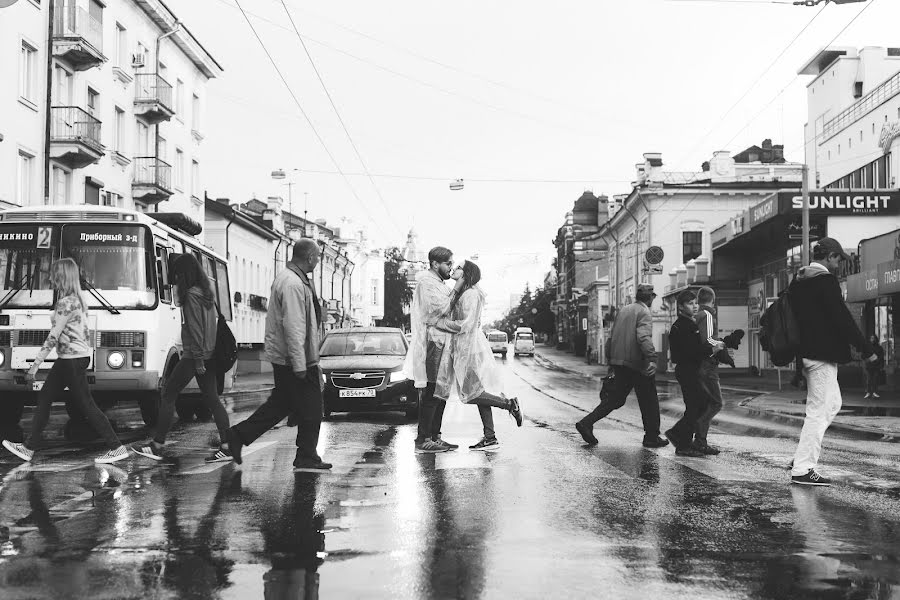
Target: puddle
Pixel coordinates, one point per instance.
(870, 411)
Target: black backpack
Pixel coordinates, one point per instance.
(225, 353)
(779, 334)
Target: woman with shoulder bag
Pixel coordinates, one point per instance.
(70, 337)
(198, 339)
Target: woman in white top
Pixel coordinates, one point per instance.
(70, 337)
(469, 369)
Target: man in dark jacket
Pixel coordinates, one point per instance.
(708, 324)
(633, 362)
(827, 330)
(689, 350)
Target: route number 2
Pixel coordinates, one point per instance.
(43, 237)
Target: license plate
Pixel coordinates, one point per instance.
(36, 386)
(357, 394)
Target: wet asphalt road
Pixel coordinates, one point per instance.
(544, 517)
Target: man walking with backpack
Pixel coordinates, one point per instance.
(826, 330)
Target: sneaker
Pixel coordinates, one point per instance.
(867, 396)
(689, 451)
(671, 437)
(221, 455)
(486, 445)
(112, 456)
(445, 444)
(705, 448)
(811, 478)
(654, 442)
(586, 433)
(151, 450)
(430, 447)
(875, 395)
(516, 411)
(19, 450)
(311, 465)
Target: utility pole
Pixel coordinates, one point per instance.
(804, 190)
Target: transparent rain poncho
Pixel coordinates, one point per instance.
(430, 301)
(467, 368)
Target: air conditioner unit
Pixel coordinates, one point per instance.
(137, 60)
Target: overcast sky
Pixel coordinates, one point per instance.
(573, 92)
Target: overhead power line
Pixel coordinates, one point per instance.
(302, 111)
(338, 115)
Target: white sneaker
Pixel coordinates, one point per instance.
(112, 456)
(19, 450)
(867, 396)
(875, 395)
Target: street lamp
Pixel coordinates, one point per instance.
(279, 174)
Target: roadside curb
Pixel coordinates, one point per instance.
(250, 391)
(870, 434)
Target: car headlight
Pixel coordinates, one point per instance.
(115, 360)
(398, 376)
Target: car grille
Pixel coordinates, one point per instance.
(352, 381)
(31, 337)
(120, 339)
(5, 338)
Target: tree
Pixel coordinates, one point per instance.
(397, 295)
(532, 311)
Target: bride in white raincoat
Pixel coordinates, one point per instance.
(468, 369)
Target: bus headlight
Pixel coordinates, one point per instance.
(397, 376)
(115, 360)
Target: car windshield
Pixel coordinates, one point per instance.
(363, 343)
(497, 337)
(525, 336)
(26, 252)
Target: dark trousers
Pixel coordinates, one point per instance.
(487, 417)
(431, 414)
(302, 397)
(694, 403)
(71, 373)
(644, 387)
(184, 371)
(709, 382)
(872, 377)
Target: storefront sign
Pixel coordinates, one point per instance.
(876, 250)
(817, 228)
(763, 211)
(889, 133)
(842, 203)
(889, 278)
(18, 236)
(719, 236)
(862, 286)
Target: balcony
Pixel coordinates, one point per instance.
(152, 182)
(152, 98)
(74, 137)
(77, 38)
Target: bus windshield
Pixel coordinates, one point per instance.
(26, 252)
(116, 260)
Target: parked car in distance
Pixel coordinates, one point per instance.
(499, 341)
(523, 341)
(362, 368)
(408, 337)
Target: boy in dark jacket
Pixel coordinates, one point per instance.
(827, 330)
(688, 351)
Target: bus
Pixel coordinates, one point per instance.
(124, 257)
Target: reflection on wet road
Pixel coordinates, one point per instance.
(544, 517)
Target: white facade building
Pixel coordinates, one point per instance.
(125, 123)
(367, 282)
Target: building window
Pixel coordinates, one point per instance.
(93, 102)
(112, 199)
(849, 143)
(195, 179)
(195, 112)
(28, 72)
(25, 178)
(691, 245)
(179, 169)
(179, 99)
(61, 182)
(374, 291)
(121, 56)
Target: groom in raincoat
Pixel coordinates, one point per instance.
(431, 300)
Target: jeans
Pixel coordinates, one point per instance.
(694, 404)
(644, 387)
(872, 377)
(484, 411)
(71, 372)
(302, 397)
(431, 414)
(823, 401)
(709, 382)
(181, 375)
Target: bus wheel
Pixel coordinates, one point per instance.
(149, 403)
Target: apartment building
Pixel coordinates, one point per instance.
(126, 93)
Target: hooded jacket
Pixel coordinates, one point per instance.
(198, 330)
(827, 328)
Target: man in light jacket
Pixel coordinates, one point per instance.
(633, 361)
(293, 324)
(431, 301)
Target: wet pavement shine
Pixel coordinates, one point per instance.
(543, 517)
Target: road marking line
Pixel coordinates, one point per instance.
(461, 460)
(210, 467)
